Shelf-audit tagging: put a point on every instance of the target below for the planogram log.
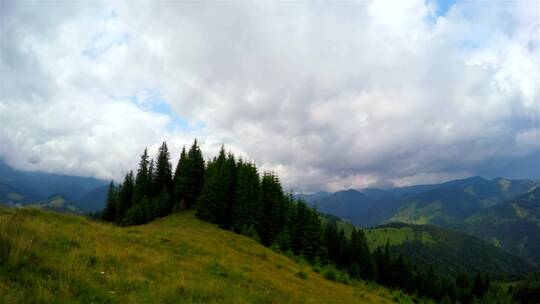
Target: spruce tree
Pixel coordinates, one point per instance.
(305, 230)
(109, 213)
(195, 170)
(181, 177)
(330, 242)
(213, 195)
(246, 207)
(361, 262)
(163, 174)
(141, 180)
(124, 197)
(274, 209)
(149, 187)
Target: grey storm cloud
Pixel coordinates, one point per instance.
(329, 95)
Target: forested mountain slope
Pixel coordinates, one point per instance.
(445, 204)
(514, 225)
(444, 250)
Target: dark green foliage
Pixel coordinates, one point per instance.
(109, 213)
(180, 179)
(448, 251)
(480, 286)
(304, 229)
(125, 195)
(246, 207)
(162, 178)
(195, 170)
(188, 177)
(360, 261)
(527, 291)
(274, 209)
(141, 180)
(333, 244)
(214, 201)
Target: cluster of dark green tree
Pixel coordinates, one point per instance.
(154, 191)
(235, 197)
(351, 255)
(396, 272)
(527, 291)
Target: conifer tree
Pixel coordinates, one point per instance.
(228, 177)
(149, 187)
(213, 195)
(163, 172)
(305, 230)
(141, 180)
(361, 262)
(195, 170)
(109, 213)
(124, 197)
(180, 180)
(274, 209)
(330, 241)
(480, 286)
(246, 207)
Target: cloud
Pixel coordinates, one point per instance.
(329, 95)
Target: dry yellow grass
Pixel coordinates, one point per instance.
(49, 257)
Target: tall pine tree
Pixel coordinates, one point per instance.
(181, 177)
(124, 198)
(141, 179)
(109, 213)
(195, 171)
(162, 179)
(274, 209)
(246, 207)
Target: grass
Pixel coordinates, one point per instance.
(47, 257)
(378, 237)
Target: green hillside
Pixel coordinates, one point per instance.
(514, 225)
(450, 203)
(48, 257)
(445, 250)
(58, 204)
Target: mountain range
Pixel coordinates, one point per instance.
(19, 187)
(500, 211)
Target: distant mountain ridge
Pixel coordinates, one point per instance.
(503, 212)
(435, 203)
(25, 187)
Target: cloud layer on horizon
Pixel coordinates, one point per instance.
(329, 95)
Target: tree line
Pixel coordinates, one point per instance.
(231, 193)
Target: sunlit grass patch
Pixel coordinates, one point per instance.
(48, 257)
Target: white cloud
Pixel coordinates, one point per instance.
(329, 95)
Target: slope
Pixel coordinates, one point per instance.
(58, 204)
(448, 204)
(364, 209)
(444, 250)
(514, 225)
(50, 257)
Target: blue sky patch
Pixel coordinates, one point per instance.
(151, 100)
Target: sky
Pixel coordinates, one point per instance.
(329, 95)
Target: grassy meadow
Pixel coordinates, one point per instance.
(48, 257)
